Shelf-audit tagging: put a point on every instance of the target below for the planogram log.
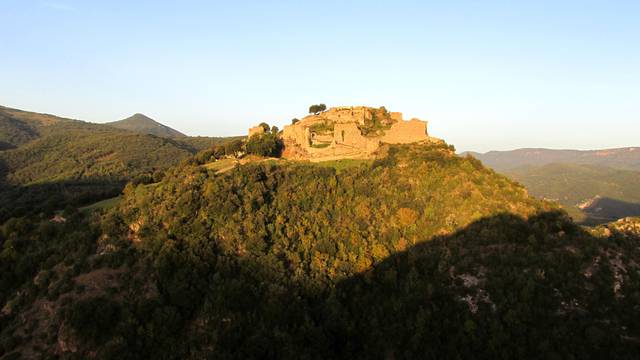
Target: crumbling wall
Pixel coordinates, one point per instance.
(347, 140)
(348, 134)
(359, 114)
(297, 133)
(405, 132)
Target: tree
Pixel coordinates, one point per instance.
(264, 145)
(204, 156)
(218, 151)
(315, 109)
(233, 147)
(274, 129)
(265, 126)
(294, 120)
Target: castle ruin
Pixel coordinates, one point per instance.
(349, 132)
(256, 130)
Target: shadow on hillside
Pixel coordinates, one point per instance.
(503, 287)
(6, 146)
(48, 197)
(605, 210)
(3, 173)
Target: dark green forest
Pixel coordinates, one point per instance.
(417, 254)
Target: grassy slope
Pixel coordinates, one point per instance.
(102, 204)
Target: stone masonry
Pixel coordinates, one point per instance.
(348, 132)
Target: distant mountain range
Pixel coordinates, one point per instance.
(621, 158)
(145, 125)
(594, 186)
(592, 194)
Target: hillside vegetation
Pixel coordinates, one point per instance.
(19, 127)
(594, 194)
(621, 158)
(82, 151)
(47, 162)
(418, 254)
(595, 186)
(14, 132)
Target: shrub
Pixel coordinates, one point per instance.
(233, 148)
(94, 319)
(264, 145)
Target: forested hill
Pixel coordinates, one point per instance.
(48, 162)
(18, 127)
(144, 125)
(592, 194)
(418, 254)
(621, 158)
(595, 186)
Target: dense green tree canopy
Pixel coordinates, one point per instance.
(268, 144)
(418, 254)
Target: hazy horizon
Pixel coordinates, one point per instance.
(490, 76)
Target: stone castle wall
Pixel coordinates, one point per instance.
(296, 133)
(347, 140)
(395, 116)
(405, 132)
(256, 130)
(348, 134)
(359, 114)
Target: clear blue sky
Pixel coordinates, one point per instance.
(486, 74)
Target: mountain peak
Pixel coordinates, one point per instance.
(143, 124)
(140, 116)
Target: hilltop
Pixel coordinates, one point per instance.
(347, 132)
(142, 124)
